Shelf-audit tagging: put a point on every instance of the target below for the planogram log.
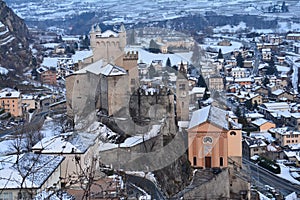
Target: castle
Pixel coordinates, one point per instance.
(108, 77)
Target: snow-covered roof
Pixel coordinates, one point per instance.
(246, 79)
(284, 131)
(148, 57)
(35, 168)
(49, 62)
(238, 69)
(196, 90)
(295, 115)
(131, 141)
(252, 142)
(210, 114)
(283, 106)
(253, 115)
(263, 135)
(81, 55)
(12, 94)
(68, 143)
(278, 92)
(260, 121)
(3, 71)
(98, 68)
(270, 147)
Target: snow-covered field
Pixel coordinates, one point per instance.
(129, 11)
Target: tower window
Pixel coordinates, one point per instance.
(232, 133)
(182, 86)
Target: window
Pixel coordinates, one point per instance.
(132, 81)
(6, 196)
(182, 86)
(77, 81)
(292, 141)
(288, 141)
(221, 161)
(195, 161)
(288, 136)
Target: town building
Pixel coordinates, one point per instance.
(11, 102)
(78, 149)
(263, 125)
(286, 136)
(253, 146)
(24, 176)
(215, 82)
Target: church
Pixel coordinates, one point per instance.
(214, 139)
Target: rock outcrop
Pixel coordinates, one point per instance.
(15, 53)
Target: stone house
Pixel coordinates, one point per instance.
(98, 86)
(215, 82)
(33, 173)
(252, 146)
(238, 72)
(79, 150)
(263, 124)
(293, 36)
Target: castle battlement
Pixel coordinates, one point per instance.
(131, 55)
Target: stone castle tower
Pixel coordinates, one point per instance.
(182, 94)
(107, 45)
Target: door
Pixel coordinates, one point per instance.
(207, 162)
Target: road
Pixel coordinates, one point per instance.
(35, 124)
(264, 177)
(146, 185)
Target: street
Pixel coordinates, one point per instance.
(146, 185)
(262, 177)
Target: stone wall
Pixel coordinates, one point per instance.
(216, 188)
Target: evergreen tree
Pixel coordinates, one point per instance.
(206, 95)
(238, 112)
(75, 45)
(151, 71)
(201, 82)
(266, 81)
(131, 37)
(272, 70)
(240, 60)
(220, 54)
(154, 47)
(196, 55)
(168, 62)
(248, 104)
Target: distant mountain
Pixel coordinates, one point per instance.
(15, 53)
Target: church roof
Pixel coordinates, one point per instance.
(212, 115)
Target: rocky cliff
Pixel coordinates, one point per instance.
(14, 41)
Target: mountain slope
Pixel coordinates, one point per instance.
(14, 46)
